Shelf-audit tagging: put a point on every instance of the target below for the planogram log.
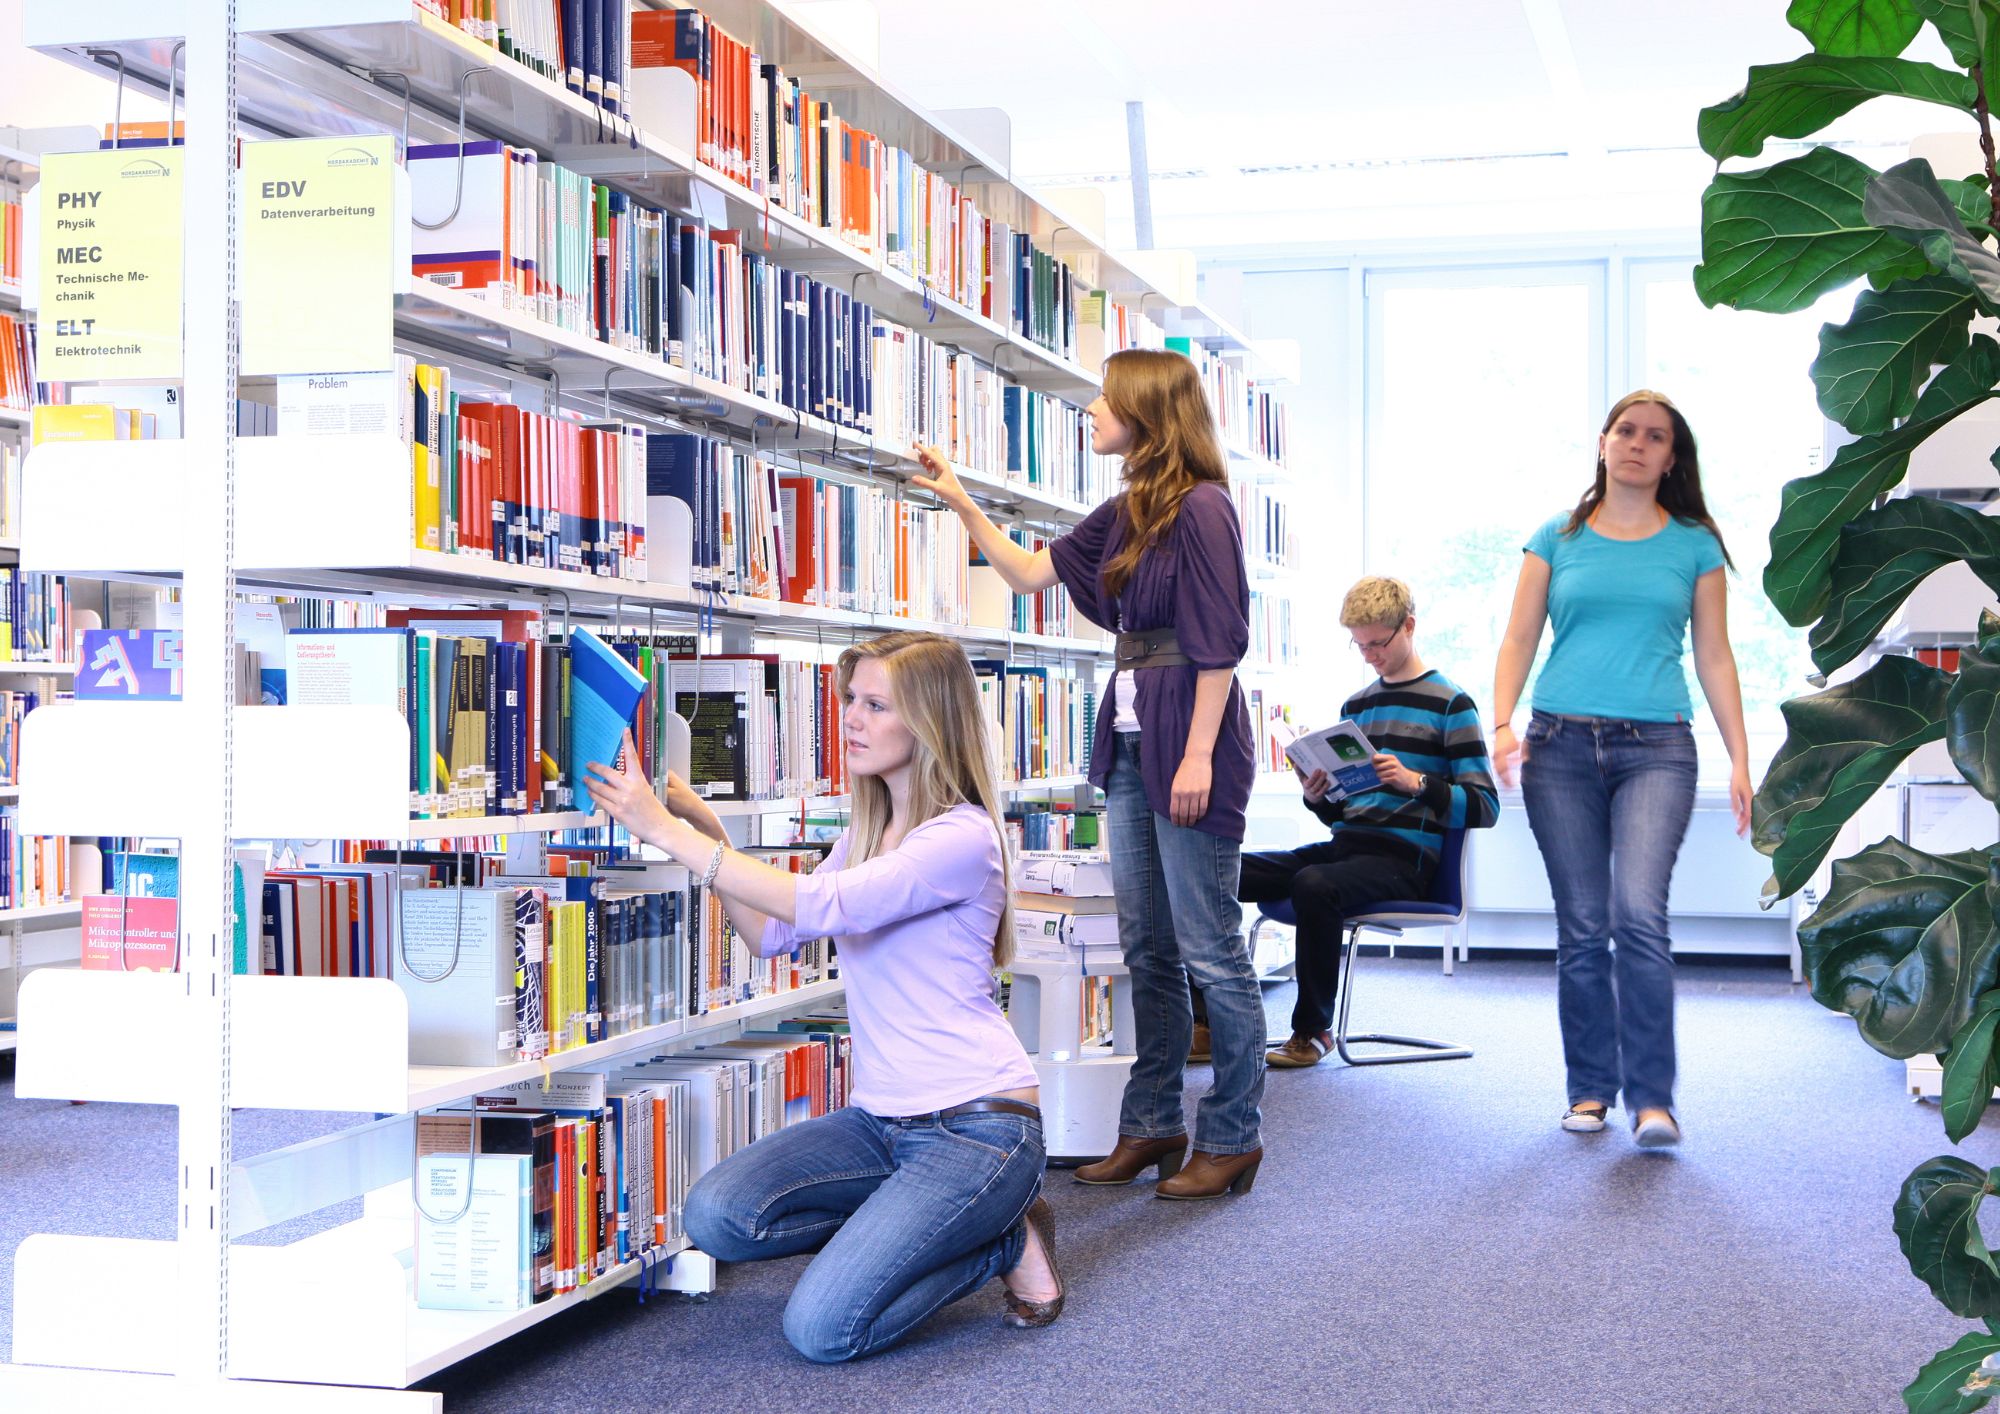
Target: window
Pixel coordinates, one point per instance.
(1485, 388)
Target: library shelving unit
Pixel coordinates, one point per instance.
(245, 1326)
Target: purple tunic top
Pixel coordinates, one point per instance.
(1194, 583)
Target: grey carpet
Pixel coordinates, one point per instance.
(1421, 1238)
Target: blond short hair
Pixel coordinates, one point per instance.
(1377, 601)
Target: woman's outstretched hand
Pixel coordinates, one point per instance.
(627, 796)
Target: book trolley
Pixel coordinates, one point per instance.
(329, 1321)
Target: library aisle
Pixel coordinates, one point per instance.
(1421, 1238)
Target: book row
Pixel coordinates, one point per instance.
(34, 869)
(1273, 634)
(36, 622)
(994, 605)
(1040, 721)
(760, 727)
(544, 1188)
(1251, 419)
(1048, 827)
(17, 362)
(13, 707)
(13, 231)
(763, 129)
(1269, 536)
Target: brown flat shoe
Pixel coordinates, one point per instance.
(1133, 1157)
(1023, 1314)
(1300, 1051)
(1212, 1175)
(1199, 1051)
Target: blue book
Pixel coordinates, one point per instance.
(604, 692)
(131, 665)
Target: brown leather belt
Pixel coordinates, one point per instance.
(973, 1107)
(1150, 648)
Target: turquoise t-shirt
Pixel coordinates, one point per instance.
(1620, 609)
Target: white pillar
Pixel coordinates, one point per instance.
(208, 686)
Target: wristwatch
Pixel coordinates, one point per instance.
(1423, 783)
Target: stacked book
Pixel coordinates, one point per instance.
(1064, 908)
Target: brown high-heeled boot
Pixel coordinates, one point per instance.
(1212, 1175)
(1133, 1157)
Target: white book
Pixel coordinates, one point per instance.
(455, 965)
(474, 1252)
(1040, 933)
(1076, 872)
(1344, 752)
(345, 667)
(342, 404)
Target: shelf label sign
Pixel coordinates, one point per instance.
(318, 266)
(111, 265)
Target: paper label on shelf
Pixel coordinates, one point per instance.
(111, 265)
(318, 255)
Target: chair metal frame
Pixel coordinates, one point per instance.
(1393, 918)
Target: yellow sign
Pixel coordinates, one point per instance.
(111, 265)
(318, 255)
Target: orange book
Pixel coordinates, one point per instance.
(150, 134)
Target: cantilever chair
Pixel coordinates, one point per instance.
(1445, 908)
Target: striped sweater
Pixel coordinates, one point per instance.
(1430, 725)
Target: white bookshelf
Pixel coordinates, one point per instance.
(206, 1041)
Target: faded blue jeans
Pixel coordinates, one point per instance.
(1609, 802)
(1179, 921)
(907, 1215)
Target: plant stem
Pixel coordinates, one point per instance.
(1986, 143)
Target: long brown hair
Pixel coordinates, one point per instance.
(1158, 395)
(937, 697)
(1679, 491)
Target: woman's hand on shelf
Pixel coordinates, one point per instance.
(688, 806)
(627, 797)
(942, 480)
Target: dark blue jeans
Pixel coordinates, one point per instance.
(1609, 802)
(907, 1215)
(1179, 921)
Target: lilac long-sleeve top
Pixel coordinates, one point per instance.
(915, 928)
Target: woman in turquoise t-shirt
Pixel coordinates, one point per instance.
(1608, 761)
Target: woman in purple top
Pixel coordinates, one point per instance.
(928, 1185)
(1162, 563)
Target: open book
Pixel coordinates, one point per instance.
(1344, 752)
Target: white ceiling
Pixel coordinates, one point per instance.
(1611, 87)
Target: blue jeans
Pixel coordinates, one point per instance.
(1179, 921)
(907, 1216)
(1609, 803)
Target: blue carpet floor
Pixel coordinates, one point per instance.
(1421, 1238)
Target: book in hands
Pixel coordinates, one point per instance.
(1344, 752)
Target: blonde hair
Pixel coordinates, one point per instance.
(1158, 395)
(1377, 602)
(937, 698)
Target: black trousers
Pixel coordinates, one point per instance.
(1327, 884)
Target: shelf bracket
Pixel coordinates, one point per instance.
(117, 57)
(458, 186)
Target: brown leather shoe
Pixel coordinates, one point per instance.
(1133, 1157)
(1021, 1313)
(1300, 1051)
(1199, 1051)
(1212, 1175)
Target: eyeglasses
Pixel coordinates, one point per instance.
(1378, 645)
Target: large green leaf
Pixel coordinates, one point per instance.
(1904, 943)
(1884, 554)
(1969, 1070)
(1840, 746)
(1870, 369)
(1777, 239)
(1936, 1388)
(1972, 200)
(1812, 509)
(1799, 98)
(1907, 200)
(1972, 710)
(1883, 28)
(1937, 1222)
(1953, 21)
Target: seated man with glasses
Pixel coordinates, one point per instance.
(1386, 841)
